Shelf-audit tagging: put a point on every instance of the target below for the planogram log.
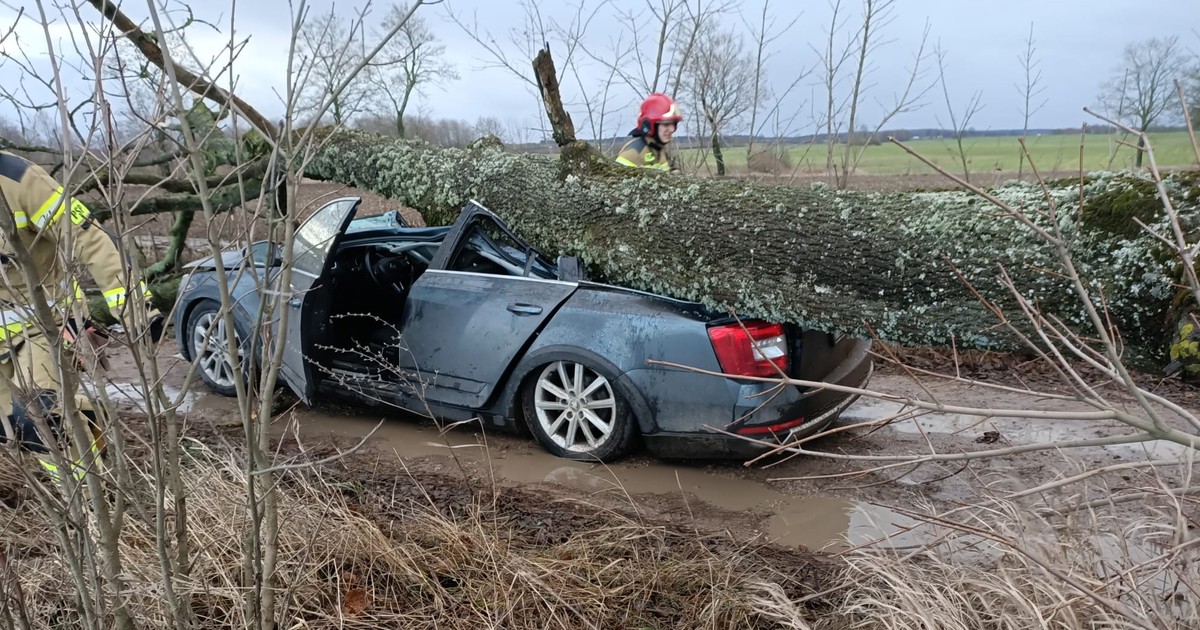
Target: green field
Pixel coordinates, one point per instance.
(986, 154)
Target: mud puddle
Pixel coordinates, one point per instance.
(1014, 429)
(1011, 430)
(130, 395)
(815, 522)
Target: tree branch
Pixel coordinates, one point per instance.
(149, 47)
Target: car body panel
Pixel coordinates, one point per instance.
(628, 329)
(201, 285)
(462, 331)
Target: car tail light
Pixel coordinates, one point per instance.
(750, 349)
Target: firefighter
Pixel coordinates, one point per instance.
(60, 235)
(657, 120)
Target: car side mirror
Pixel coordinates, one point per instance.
(569, 269)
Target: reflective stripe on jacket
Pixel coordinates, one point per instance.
(47, 219)
(638, 152)
(14, 321)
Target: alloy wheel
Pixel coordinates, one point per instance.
(575, 406)
(210, 346)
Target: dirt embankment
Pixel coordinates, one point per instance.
(464, 529)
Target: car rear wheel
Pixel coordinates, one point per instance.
(209, 339)
(576, 412)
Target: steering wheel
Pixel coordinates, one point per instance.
(372, 260)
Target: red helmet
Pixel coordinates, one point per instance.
(657, 108)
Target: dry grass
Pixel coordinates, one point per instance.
(366, 544)
(380, 551)
(1011, 567)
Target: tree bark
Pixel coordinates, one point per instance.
(403, 107)
(833, 260)
(172, 257)
(223, 199)
(547, 77)
(719, 156)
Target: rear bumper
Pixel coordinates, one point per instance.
(721, 446)
(815, 409)
(846, 363)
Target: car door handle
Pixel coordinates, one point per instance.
(525, 309)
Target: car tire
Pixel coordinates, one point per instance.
(212, 359)
(576, 411)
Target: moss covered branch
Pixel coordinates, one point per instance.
(223, 199)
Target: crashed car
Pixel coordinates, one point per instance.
(469, 321)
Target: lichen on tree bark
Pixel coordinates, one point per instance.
(823, 258)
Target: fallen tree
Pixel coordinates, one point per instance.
(907, 264)
(917, 268)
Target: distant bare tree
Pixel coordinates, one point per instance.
(1141, 91)
(525, 41)
(663, 41)
(1191, 85)
(720, 82)
(1031, 90)
(521, 131)
(594, 93)
(446, 132)
(833, 57)
(376, 123)
(325, 62)
(764, 35)
(876, 15)
(411, 61)
(841, 111)
(489, 126)
(649, 56)
(959, 121)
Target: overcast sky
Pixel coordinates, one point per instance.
(1079, 44)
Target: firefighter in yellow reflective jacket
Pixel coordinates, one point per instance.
(61, 236)
(657, 120)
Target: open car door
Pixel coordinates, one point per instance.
(307, 301)
(470, 315)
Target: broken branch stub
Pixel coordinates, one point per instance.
(561, 126)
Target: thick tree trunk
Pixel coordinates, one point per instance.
(835, 260)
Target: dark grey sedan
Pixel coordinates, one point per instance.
(469, 321)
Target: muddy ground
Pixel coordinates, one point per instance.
(805, 502)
